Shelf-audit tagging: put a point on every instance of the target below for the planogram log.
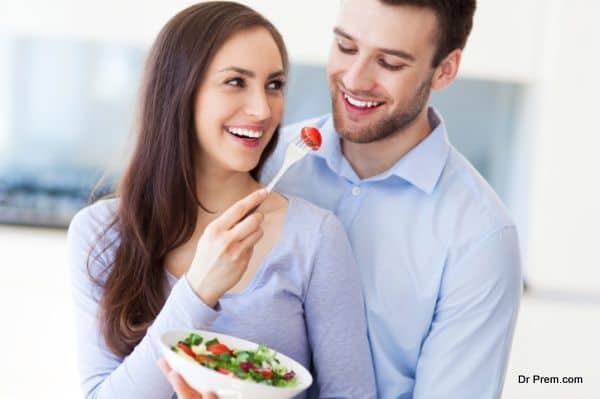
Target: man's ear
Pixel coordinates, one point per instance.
(446, 72)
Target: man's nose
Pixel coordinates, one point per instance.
(359, 77)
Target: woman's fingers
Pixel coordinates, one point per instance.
(164, 367)
(250, 241)
(182, 389)
(246, 227)
(242, 252)
(237, 211)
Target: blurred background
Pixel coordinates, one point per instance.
(522, 111)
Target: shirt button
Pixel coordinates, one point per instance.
(356, 191)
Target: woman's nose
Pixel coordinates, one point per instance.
(258, 105)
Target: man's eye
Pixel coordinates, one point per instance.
(276, 85)
(346, 50)
(389, 66)
(236, 82)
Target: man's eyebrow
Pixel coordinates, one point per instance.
(397, 53)
(250, 74)
(340, 32)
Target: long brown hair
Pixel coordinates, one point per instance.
(158, 206)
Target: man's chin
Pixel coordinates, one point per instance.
(352, 131)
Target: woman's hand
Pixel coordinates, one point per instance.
(225, 249)
(182, 389)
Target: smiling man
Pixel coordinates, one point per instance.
(437, 250)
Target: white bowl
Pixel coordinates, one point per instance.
(204, 379)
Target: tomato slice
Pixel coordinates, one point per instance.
(311, 137)
(186, 349)
(268, 374)
(204, 359)
(223, 370)
(219, 349)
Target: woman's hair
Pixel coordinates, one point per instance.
(158, 206)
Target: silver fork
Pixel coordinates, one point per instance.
(296, 150)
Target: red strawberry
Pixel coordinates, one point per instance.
(311, 137)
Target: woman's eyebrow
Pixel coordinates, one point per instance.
(239, 70)
(276, 74)
(251, 74)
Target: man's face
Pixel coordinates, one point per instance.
(379, 68)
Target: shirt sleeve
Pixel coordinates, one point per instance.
(102, 373)
(466, 351)
(335, 318)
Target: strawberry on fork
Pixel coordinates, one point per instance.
(309, 140)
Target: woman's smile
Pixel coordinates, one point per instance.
(246, 135)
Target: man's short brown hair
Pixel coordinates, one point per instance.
(455, 20)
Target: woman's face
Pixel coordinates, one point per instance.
(240, 102)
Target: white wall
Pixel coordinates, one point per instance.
(5, 104)
(306, 26)
(565, 193)
(502, 46)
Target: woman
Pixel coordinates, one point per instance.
(175, 250)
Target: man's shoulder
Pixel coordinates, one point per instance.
(477, 206)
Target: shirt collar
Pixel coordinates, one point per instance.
(422, 166)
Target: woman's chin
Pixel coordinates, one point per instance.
(243, 167)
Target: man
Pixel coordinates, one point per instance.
(438, 253)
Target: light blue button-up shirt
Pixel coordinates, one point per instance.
(438, 256)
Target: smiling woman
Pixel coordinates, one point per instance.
(173, 250)
(240, 102)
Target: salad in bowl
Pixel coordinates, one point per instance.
(231, 367)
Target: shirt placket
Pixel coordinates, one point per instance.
(350, 203)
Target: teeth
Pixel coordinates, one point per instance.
(361, 104)
(253, 134)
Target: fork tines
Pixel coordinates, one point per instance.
(301, 144)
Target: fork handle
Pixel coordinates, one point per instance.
(269, 188)
(275, 179)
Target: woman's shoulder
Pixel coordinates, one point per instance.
(94, 218)
(91, 241)
(312, 217)
(93, 232)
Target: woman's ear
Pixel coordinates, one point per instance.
(446, 72)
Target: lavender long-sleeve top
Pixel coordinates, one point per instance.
(305, 301)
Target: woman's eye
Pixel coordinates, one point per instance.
(346, 50)
(235, 82)
(276, 85)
